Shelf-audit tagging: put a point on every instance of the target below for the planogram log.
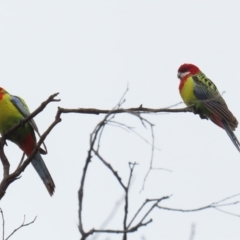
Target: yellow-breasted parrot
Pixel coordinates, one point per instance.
(12, 110)
(198, 90)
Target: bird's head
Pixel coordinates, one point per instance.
(2, 92)
(187, 69)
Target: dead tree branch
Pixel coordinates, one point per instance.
(94, 149)
(139, 110)
(215, 205)
(21, 226)
(3, 225)
(15, 230)
(95, 139)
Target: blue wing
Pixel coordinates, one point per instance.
(22, 107)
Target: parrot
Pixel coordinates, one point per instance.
(13, 109)
(202, 94)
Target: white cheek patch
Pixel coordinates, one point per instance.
(182, 75)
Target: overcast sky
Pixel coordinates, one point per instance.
(89, 51)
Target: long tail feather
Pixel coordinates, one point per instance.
(231, 135)
(43, 172)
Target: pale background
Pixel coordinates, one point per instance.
(88, 51)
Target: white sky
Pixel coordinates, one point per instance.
(88, 51)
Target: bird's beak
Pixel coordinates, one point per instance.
(182, 75)
(179, 75)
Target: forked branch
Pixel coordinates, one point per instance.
(15, 230)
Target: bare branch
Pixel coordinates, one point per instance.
(4, 160)
(131, 166)
(111, 169)
(3, 224)
(139, 110)
(133, 229)
(110, 216)
(21, 226)
(214, 205)
(229, 213)
(130, 129)
(227, 198)
(151, 160)
(193, 230)
(93, 138)
(157, 200)
(15, 230)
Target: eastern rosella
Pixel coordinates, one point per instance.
(12, 110)
(198, 90)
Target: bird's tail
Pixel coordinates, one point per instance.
(231, 135)
(43, 172)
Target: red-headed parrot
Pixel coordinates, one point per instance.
(198, 90)
(12, 110)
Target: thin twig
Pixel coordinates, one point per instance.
(133, 229)
(229, 213)
(3, 225)
(130, 129)
(227, 198)
(214, 205)
(157, 200)
(110, 216)
(22, 225)
(111, 169)
(193, 230)
(131, 166)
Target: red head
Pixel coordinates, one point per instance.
(2, 92)
(187, 69)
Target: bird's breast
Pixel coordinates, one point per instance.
(186, 89)
(9, 115)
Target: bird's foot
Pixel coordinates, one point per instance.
(197, 111)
